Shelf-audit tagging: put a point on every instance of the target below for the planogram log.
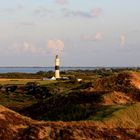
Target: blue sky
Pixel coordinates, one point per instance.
(82, 32)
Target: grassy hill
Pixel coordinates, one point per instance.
(83, 102)
(121, 125)
(101, 107)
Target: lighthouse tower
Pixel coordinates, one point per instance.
(57, 66)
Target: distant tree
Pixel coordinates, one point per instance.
(50, 74)
(42, 73)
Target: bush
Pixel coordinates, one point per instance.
(39, 92)
(11, 88)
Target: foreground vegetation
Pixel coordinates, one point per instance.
(95, 98)
(105, 104)
(123, 125)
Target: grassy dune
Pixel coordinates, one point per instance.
(23, 81)
(121, 125)
(94, 100)
(103, 107)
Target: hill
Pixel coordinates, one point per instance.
(83, 102)
(15, 127)
(104, 107)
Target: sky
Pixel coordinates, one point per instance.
(83, 32)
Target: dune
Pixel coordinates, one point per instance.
(15, 126)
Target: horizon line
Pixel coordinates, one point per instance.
(70, 66)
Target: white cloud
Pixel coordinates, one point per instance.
(7, 10)
(97, 37)
(89, 14)
(122, 40)
(95, 12)
(11, 10)
(43, 11)
(25, 47)
(56, 46)
(61, 1)
(26, 23)
(28, 47)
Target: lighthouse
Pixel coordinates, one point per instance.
(57, 67)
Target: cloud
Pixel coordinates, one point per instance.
(27, 23)
(25, 47)
(61, 1)
(7, 10)
(97, 37)
(28, 47)
(122, 40)
(11, 10)
(95, 12)
(90, 14)
(56, 46)
(20, 6)
(42, 11)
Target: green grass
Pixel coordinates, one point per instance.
(16, 101)
(69, 101)
(26, 81)
(106, 112)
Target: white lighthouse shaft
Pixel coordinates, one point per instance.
(57, 67)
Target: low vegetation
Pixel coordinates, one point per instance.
(105, 104)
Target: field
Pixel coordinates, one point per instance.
(24, 81)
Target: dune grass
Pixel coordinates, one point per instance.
(24, 81)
